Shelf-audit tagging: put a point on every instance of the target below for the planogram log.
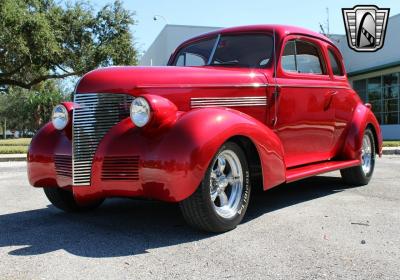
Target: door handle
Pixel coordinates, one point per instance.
(328, 99)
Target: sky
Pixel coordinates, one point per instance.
(227, 13)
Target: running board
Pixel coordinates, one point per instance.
(297, 173)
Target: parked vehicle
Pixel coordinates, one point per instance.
(235, 110)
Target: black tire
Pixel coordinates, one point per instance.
(356, 176)
(64, 200)
(199, 210)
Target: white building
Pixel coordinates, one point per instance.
(375, 76)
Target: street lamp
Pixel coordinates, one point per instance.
(157, 17)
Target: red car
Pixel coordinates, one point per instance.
(236, 109)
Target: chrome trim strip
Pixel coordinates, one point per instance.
(244, 101)
(229, 98)
(309, 86)
(247, 85)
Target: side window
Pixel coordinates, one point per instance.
(190, 59)
(335, 63)
(302, 57)
(288, 59)
(181, 60)
(308, 58)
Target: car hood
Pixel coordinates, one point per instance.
(127, 79)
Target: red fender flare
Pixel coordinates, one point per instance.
(362, 117)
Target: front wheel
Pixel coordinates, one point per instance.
(64, 200)
(361, 175)
(221, 200)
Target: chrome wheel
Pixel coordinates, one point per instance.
(226, 184)
(366, 154)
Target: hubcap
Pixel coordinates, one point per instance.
(226, 184)
(366, 154)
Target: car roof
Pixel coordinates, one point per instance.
(281, 31)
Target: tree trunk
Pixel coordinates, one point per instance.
(5, 129)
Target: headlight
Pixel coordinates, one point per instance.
(140, 111)
(60, 117)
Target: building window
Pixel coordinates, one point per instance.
(390, 100)
(360, 86)
(383, 92)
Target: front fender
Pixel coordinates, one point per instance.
(209, 128)
(46, 145)
(362, 117)
(174, 160)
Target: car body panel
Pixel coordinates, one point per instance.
(172, 161)
(300, 124)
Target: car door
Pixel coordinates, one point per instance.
(304, 117)
(343, 100)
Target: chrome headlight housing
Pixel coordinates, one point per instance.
(140, 111)
(60, 117)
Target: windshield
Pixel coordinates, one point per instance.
(246, 51)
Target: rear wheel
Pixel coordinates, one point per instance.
(221, 200)
(361, 175)
(64, 200)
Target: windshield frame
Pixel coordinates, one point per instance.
(174, 57)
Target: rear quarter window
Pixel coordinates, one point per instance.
(335, 63)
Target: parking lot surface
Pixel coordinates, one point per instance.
(317, 228)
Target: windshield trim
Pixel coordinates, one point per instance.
(210, 59)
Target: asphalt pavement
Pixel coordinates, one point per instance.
(317, 228)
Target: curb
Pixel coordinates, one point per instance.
(13, 157)
(391, 151)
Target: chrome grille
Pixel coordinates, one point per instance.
(93, 118)
(63, 165)
(117, 168)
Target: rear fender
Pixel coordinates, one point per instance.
(362, 117)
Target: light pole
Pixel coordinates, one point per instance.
(155, 18)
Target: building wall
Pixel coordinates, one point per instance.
(391, 132)
(382, 89)
(368, 68)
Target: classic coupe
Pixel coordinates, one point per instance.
(234, 110)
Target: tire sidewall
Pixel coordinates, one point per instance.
(228, 223)
(370, 135)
